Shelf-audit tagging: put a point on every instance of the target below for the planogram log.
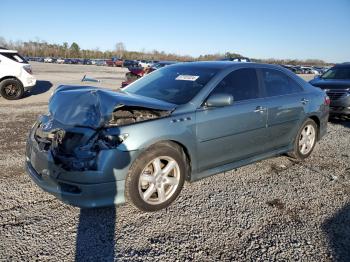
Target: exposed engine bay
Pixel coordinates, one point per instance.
(83, 120)
(130, 115)
(76, 149)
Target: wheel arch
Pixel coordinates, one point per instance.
(188, 157)
(317, 120)
(185, 151)
(11, 77)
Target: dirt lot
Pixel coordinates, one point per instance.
(276, 209)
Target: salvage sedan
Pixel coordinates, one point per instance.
(180, 123)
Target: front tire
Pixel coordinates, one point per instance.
(305, 140)
(11, 89)
(156, 177)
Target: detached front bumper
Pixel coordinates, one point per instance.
(85, 189)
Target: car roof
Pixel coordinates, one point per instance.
(343, 65)
(221, 65)
(7, 51)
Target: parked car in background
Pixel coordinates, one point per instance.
(182, 122)
(236, 59)
(161, 64)
(138, 72)
(115, 62)
(60, 60)
(130, 63)
(336, 83)
(48, 60)
(320, 69)
(71, 61)
(294, 69)
(134, 74)
(16, 76)
(68, 61)
(145, 63)
(39, 59)
(86, 61)
(100, 62)
(309, 70)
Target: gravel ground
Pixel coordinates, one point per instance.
(276, 209)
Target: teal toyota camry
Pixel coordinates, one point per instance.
(184, 122)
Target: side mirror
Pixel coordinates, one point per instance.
(219, 100)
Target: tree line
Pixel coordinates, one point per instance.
(39, 48)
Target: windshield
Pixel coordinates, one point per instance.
(174, 84)
(337, 73)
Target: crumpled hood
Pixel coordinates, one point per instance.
(88, 106)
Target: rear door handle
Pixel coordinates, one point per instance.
(260, 109)
(304, 101)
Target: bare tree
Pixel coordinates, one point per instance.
(39, 47)
(65, 49)
(120, 49)
(3, 42)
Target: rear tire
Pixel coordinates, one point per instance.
(156, 177)
(305, 140)
(11, 89)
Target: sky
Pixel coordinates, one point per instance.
(294, 29)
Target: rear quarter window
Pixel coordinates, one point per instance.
(278, 83)
(15, 57)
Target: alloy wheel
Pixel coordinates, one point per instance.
(307, 139)
(11, 90)
(159, 180)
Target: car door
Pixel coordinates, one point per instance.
(230, 133)
(285, 101)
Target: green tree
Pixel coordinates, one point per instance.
(74, 49)
(232, 55)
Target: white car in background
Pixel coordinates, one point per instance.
(48, 60)
(15, 75)
(60, 61)
(145, 63)
(309, 70)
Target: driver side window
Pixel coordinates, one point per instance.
(242, 84)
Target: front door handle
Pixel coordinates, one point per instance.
(304, 101)
(260, 109)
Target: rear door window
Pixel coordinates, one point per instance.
(242, 84)
(15, 57)
(277, 83)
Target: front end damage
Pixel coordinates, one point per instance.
(79, 142)
(77, 148)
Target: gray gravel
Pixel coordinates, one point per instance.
(276, 209)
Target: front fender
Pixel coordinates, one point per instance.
(180, 128)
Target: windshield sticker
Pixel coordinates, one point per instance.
(187, 77)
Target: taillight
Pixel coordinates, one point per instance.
(327, 100)
(28, 69)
